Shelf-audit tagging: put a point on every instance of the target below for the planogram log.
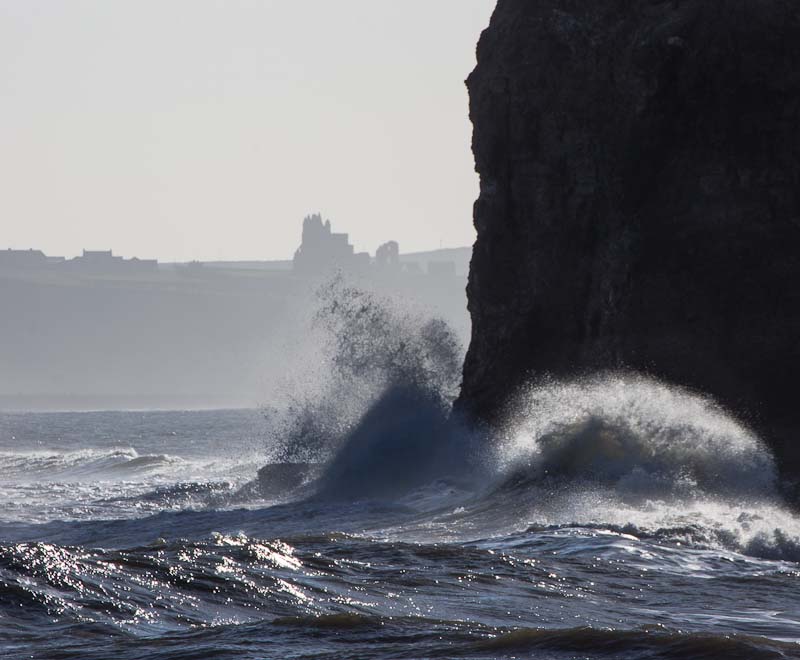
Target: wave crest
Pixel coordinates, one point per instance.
(637, 435)
(76, 465)
(364, 346)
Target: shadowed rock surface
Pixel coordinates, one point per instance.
(640, 202)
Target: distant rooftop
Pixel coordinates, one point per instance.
(24, 259)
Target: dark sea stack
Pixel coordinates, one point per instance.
(640, 202)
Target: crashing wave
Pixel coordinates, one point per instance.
(637, 435)
(618, 451)
(370, 354)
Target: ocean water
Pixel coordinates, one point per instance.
(356, 517)
(615, 518)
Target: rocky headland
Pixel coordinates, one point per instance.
(640, 202)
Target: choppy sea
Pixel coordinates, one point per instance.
(621, 519)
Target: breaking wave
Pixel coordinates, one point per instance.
(615, 451)
(636, 435)
(631, 454)
(79, 464)
(371, 358)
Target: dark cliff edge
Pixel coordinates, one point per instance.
(640, 202)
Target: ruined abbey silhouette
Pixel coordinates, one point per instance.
(323, 250)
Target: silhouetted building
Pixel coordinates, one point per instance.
(362, 261)
(22, 259)
(143, 265)
(104, 261)
(387, 256)
(98, 260)
(322, 249)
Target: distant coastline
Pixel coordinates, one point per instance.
(104, 333)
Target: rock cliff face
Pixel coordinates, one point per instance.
(640, 201)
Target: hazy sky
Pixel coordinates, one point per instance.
(182, 129)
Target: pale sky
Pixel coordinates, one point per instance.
(207, 129)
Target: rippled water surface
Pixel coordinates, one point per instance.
(148, 535)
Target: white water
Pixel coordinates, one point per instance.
(631, 453)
